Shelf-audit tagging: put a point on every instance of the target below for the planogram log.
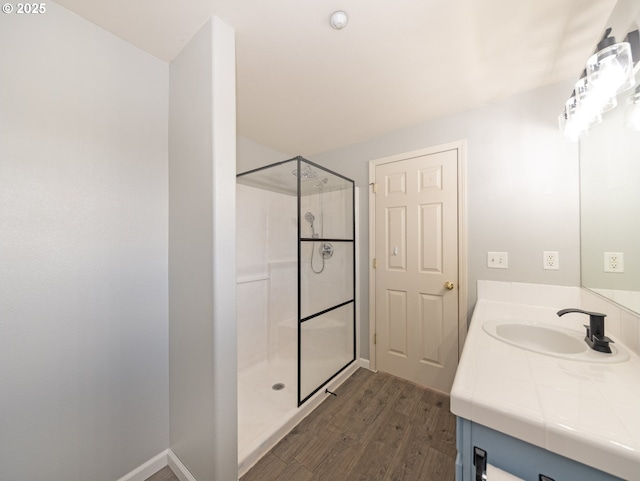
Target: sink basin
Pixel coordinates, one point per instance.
(540, 338)
(550, 340)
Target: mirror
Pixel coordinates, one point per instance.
(610, 207)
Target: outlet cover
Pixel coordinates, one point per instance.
(550, 260)
(497, 260)
(614, 262)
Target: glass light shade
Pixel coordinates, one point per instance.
(632, 112)
(568, 121)
(593, 100)
(565, 127)
(584, 115)
(574, 121)
(611, 69)
(339, 19)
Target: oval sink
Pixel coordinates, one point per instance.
(540, 338)
(550, 340)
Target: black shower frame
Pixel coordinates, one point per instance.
(299, 159)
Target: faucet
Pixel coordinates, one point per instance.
(595, 337)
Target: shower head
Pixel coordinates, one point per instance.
(309, 217)
(305, 173)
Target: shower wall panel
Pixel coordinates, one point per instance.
(267, 269)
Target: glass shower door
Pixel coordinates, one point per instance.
(326, 250)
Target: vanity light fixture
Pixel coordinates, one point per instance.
(609, 72)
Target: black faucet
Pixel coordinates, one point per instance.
(595, 337)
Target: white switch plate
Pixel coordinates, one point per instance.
(614, 262)
(497, 260)
(550, 260)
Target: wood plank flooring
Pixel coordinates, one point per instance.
(165, 474)
(378, 428)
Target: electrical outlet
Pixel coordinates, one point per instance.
(550, 260)
(614, 262)
(497, 260)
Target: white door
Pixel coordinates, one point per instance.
(416, 275)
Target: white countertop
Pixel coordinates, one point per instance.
(588, 412)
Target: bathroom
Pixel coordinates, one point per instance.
(89, 203)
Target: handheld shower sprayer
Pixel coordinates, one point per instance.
(309, 217)
(325, 249)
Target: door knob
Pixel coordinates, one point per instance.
(449, 285)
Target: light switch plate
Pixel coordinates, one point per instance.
(497, 260)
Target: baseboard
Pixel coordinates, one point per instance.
(155, 464)
(364, 363)
(147, 469)
(179, 469)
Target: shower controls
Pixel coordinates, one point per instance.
(326, 251)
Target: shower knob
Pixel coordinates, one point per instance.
(326, 250)
(448, 285)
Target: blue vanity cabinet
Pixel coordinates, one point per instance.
(516, 457)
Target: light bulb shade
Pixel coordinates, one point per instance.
(575, 121)
(592, 100)
(339, 19)
(610, 70)
(568, 121)
(632, 112)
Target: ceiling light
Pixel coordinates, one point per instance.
(339, 19)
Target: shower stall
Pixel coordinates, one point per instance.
(296, 295)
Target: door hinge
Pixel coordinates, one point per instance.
(375, 263)
(375, 338)
(374, 187)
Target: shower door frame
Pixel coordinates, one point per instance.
(301, 239)
(297, 161)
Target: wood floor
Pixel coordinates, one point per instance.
(378, 428)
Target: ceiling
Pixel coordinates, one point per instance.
(305, 88)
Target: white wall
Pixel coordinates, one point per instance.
(251, 155)
(202, 253)
(83, 251)
(522, 193)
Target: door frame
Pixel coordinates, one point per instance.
(461, 147)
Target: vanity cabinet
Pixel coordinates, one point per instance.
(517, 457)
(569, 416)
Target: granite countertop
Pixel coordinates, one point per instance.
(585, 411)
